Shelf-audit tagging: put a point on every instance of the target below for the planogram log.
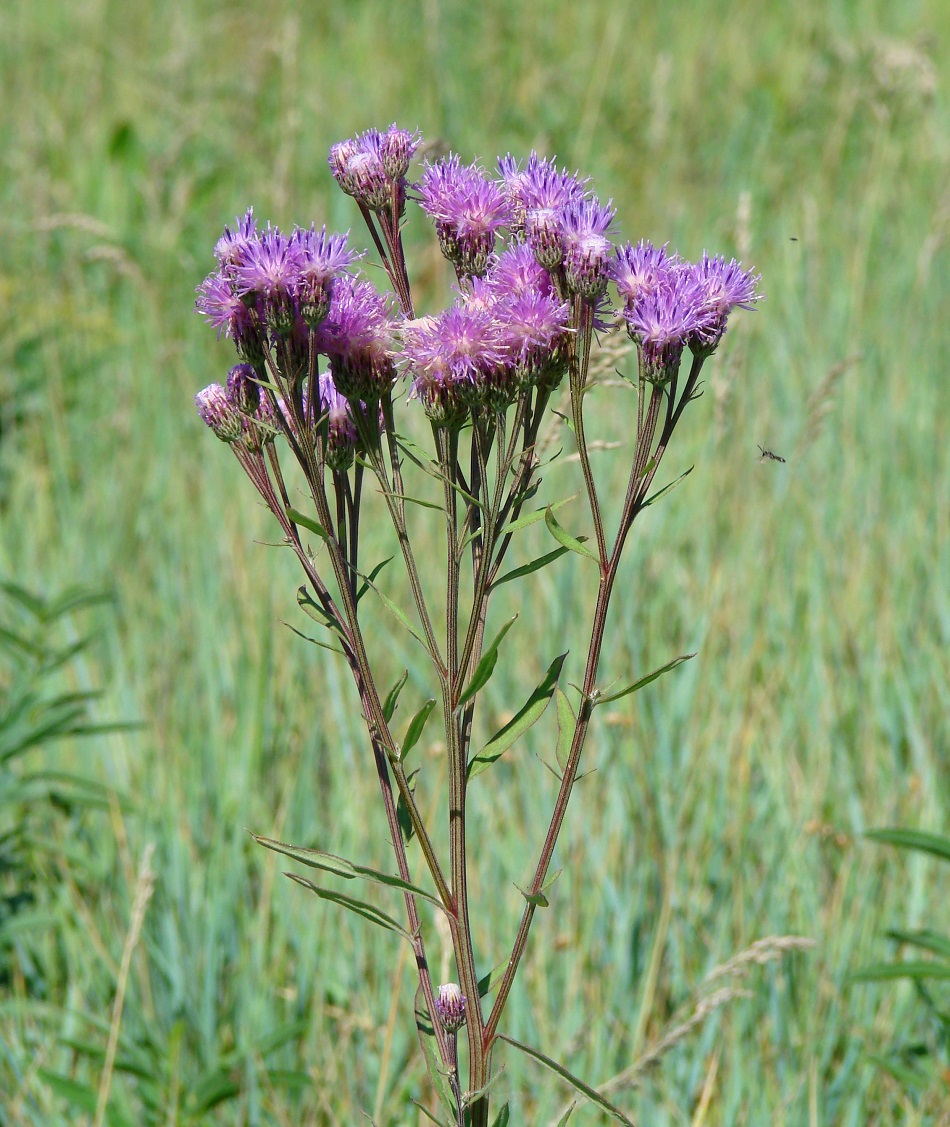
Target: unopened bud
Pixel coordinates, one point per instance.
(450, 1006)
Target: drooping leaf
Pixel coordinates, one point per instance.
(606, 698)
(417, 727)
(341, 867)
(371, 578)
(919, 840)
(401, 615)
(537, 515)
(527, 715)
(417, 455)
(315, 641)
(529, 568)
(81, 1097)
(430, 1052)
(360, 907)
(585, 1089)
(311, 607)
(417, 501)
(653, 498)
(566, 725)
(308, 523)
(486, 665)
(564, 538)
(916, 969)
(389, 705)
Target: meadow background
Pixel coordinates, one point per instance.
(729, 799)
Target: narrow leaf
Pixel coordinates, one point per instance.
(315, 641)
(370, 579)
(503, 1117)
(403, 816)
(914, 839)
(530, 568)
(537, 515)
(667, 488)
(925, 939)
(311, 525)
(566, 724)
(486, 665)
(573, 544)
(416, 727)
(528, 715)
(489, 982)
(539, 899)
(912, 968)
(607, 697)
(585, 1089)
(360, 907)
(566, 1116)
(417, 501)
(389, 705)
(312, 608)
(341, 867)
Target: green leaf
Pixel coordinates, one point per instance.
(311, 525)
(573, 544)
(417, 501)
(416, 454)
(566, 1116)
(925, 939)
(585, 1089)
(608, 697)
(360, 907)
(503, 1117)
(370, 579)
(530, 568)
(312, 608)
(528, 715)
(389, 705)
(486, 665)
(667, 488)
(537, 515)
(400, 614)
(489, 982)
(341, 867)
(416, 727)
(913, 839)
(402, 813)
(315, 641)
(431, 1053)
(214, 1089)
(912, 968)
(539, 899)
(566, 724)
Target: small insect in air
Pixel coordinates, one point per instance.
(793, 238)
(768, 454)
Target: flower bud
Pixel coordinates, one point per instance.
(217, 412)
(450, 1006)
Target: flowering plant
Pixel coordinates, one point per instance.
(323, 356)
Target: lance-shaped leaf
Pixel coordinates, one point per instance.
(400, 614)
(566, 724)
(539, 899)
(566, 1116)
(424, 462)
(311, 607)
(416, 727)
(417, 501)
(529, 568)
(490, 982)
(573, 544)
(341, 867)
(585, 1089)
(914, 839)
(653, 498)
(370, 579)
(360, 907)
(925, 939)
(430, 1051)
(503, 1117)
(402, 812)
(392, 697)
(486, 665)
(308, 523)
(315, 641)
(605, 698)
(916, 969)
(536, 515)
(528, 714)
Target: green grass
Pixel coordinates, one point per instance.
(729, 798)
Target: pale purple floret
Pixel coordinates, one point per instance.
(723, 286)
(662, 320)
(341, 428)
(218, 412)
(230, 314)
(357, 336)
(540, 185)
(229, 249)
(397, 147)
(271, 266)
(450, 1004)
(640, 268)
(468, 210)
(358, 166)
(584, 235)
(321, 257)
(517, 271)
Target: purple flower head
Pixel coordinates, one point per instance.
(661, 321)
(270, 274)
(359, 167)
(230, 248)
(468, 210)
(450, 1007)
(640, 268)
(321, 257)
(397, 147)
(536, 327)
(244, 390)
(517, 271)
(584, 228)
(541, 185)
(357, 336)
(723, 287)
(218, 412)
(341, 428)
(228, 313)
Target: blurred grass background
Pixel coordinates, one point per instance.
(729, 798)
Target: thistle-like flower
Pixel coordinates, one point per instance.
(218, 413)
(468, 210)
(320, 257)
(450, 1005)
(640, 269)
(661, 320)
(357, 335)
(584, 227)
(723, 286)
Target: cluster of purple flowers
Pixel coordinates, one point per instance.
(286, 300)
